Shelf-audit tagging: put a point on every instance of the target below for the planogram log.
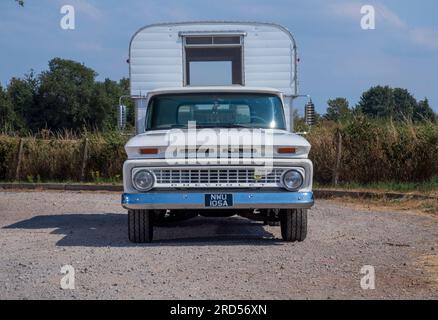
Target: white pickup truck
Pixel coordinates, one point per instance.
(214, 127)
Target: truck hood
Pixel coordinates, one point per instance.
(164, 139)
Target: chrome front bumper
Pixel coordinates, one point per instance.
(196, 200)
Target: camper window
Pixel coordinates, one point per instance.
(213, 60)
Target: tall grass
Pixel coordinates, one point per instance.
(372, 152)
(60, 157)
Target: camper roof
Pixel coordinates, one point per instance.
(215, 89)
(213, 55)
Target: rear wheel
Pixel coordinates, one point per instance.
(293, 225)
(140, 226)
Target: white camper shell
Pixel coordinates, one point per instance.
(259, 55)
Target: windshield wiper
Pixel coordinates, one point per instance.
(222, 125)
(175, 126)
(207, 126)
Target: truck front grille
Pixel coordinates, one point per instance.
(218, 178)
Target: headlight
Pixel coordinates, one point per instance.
(292, 180)
(143, 180)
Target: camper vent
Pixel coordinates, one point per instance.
(213, 41)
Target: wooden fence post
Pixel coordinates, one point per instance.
(19, 160)
(84, 160)
(338, 160)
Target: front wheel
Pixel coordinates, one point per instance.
(140, 226)
(293, 225)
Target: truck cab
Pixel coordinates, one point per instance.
(214, 127)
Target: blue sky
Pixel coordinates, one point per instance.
(338, 58)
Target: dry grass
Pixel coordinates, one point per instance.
(59, 157)
(374, 151)
(401, 155)
(407, 205)
(430, 264)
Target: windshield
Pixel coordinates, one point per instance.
(215, 110)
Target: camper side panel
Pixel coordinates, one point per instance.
(157, 58)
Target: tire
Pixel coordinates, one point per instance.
(140, 226)
(294, 225)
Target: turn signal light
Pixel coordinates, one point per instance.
(148, 151)
(287, 150)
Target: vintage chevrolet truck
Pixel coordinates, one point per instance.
(214, 127)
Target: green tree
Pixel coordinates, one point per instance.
(338, 109)
(404, 104)
(386, 102)
(7, 114)
(104, 102)
(64, 97)
(377, 102)
(22, 95)
(423, 111)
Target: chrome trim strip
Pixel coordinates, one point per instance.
(219, 177)
(242, 200)
(207, 33)
(304, 166)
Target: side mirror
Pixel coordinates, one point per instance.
(309, 114)
(122, 117)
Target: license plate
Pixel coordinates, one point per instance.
(218, 200)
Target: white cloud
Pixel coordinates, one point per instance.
(385, 17)
(85, 7)
(426, 37)
(389, 16)
(351, 10)
(348, 10)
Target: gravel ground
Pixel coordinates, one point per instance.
(231, 258)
